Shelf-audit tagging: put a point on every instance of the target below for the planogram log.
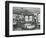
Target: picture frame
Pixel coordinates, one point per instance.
(13, 9)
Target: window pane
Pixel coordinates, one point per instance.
(38, 17)
(30, 18)
(26, 18)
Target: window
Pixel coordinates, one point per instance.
(38, 17)
(28, 18)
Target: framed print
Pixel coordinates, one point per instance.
(24, 18)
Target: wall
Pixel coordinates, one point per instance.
(2, 19)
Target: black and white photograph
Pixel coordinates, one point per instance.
(25, 18)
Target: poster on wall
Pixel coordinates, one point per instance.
(21, 18)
